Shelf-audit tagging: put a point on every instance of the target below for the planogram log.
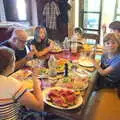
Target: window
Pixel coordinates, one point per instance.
(90, 16)
(17, 10)
(21, 10)
(117, 10)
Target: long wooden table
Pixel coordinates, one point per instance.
(77, 113)
(74, 114)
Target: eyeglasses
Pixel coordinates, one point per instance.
(21, 40)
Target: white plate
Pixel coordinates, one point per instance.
(42, 76)
(86, 65)
(45, 95)
(86, 62)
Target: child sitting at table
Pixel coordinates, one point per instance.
(78, 33)
(77, 39)
(109, 71)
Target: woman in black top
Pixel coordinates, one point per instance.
(41, 44)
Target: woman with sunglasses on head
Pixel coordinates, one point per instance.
(41, 45)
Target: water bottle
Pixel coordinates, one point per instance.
(66, 44)
(52, 66)
(74, 44)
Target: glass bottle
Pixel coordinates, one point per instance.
(66, 70)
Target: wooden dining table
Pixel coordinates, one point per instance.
(76, 113)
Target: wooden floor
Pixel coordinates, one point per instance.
(103, 105)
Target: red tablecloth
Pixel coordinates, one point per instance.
(68, 55)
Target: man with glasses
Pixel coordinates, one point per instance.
(18, 43)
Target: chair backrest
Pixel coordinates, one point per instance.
(94, 37)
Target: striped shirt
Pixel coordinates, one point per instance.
(10, 91)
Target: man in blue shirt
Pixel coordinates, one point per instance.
(18, 43)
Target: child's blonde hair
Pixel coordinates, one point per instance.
(113, 37)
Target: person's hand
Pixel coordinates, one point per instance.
(95, 63)
(51, 45)
(92, 55)
(33, 48)
(30, 55)
(35, 70)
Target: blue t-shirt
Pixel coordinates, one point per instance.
(19, 54)
(114, 62)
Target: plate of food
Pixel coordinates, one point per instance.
(77, 83)
(21, 74)
(86, 62)
(56, 49)
(32, 63)
(62, 98)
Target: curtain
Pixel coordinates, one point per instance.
(40, 6)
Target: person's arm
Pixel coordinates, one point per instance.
(33, 101)
(103, 72)
(19, 64)
(44, 51)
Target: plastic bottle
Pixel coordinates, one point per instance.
(74, 44)
(66, 44)
(52, 66)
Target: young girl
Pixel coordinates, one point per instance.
(110, 62)
(78, 33)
